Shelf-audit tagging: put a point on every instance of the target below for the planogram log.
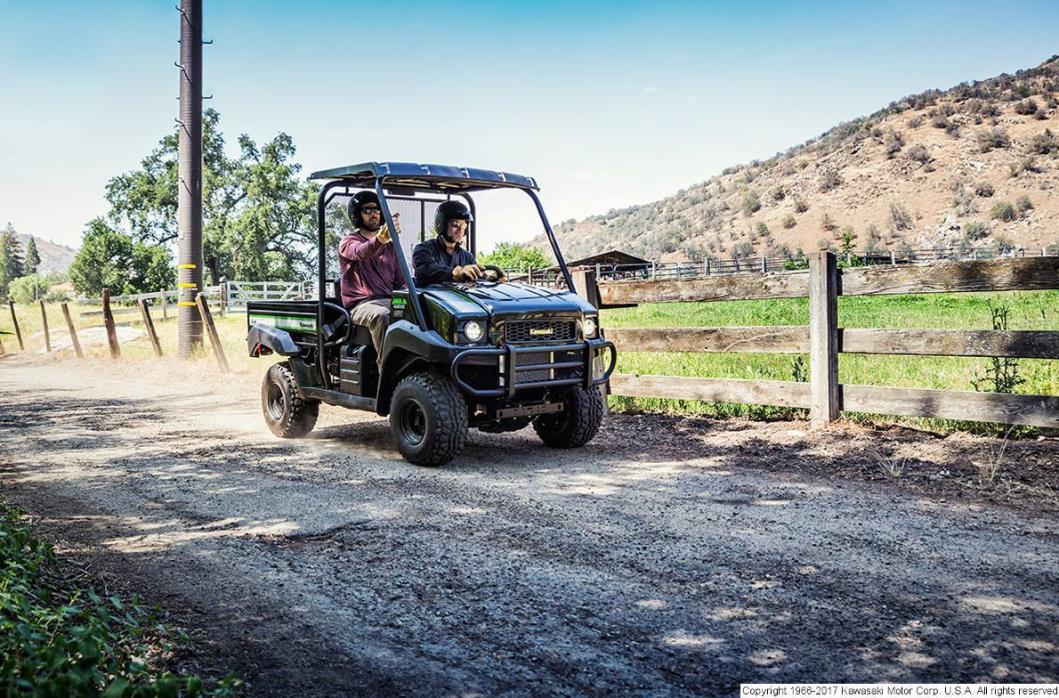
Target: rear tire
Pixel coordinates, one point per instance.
(428, 418)
(287, 413)
(577, 424)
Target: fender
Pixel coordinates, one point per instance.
(262, 339)
(404, 347)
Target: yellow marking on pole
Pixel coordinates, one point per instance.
(185, 266)
(187, 304)
(187, 284)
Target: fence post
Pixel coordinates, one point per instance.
(823, 338)
(585, 283)
(47, 335)
(73, 331)
(14, 321)
(165, 307)
(893, 259)
(764, 265)
(211, 330)
(148, 325)
(108, 320)
(224, 297)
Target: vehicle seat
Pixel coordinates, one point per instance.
(337, 328)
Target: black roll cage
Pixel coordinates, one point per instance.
(324, 198)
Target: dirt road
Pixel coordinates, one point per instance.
(670, 558)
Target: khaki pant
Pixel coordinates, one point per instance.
(375, 315)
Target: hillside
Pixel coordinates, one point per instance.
(53, 257)
(975, 166)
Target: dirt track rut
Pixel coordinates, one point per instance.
(649, 563)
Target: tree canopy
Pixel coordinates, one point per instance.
(32, 260)
(512, 256)
(11, 264)
(111, 259)
(258, 216)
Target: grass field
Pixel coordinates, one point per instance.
(1027, 311)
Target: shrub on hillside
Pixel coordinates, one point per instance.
(915, 122)
(778, 194)
(1022, 165)
(1004, 211)
(763, 230)
(983, 189)
(751, 204)
(900, 218)
(918, 153)
(828, 223)
(790, 221)
(1023, 205)
(1044, 143)
(800, 206)
(939, 121)
(1002, 245)
(893, 143)
(963, 202)
(830, 180)
(975, 230)
(990, 138)
(1026, 107)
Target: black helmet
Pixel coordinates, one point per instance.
(450, 211)
(359, 201)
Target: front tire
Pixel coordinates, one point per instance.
(287, 413)
(577, 424)
(428, 418)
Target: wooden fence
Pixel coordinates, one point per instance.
(824, 340)
(115, 312)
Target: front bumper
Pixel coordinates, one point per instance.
(509, 366)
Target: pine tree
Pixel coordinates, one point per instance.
(10, 258)
(32, 257)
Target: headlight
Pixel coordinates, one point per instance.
(473, 330)
(588, 328)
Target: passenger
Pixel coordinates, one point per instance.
(444, 259)
(369, 269)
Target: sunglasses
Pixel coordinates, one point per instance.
(371, 210)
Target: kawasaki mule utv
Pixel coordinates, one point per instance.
(491, 355)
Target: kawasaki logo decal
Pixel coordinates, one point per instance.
(285, 322)
(541, 332)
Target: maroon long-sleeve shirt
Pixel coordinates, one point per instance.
(368, 269)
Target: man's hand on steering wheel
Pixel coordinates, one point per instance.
(493, 274)
(469, 272)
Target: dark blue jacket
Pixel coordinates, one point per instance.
(433, 264)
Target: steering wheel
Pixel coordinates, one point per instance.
(492, 273)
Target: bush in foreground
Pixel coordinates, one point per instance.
(56, 639)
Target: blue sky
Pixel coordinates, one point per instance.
(607, 104)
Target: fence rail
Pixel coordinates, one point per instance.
(824, 340)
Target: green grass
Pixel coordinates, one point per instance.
(57, 639)
(1029, 310)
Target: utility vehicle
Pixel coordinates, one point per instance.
(491, 355)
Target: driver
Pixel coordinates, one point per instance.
(369, 269)
(444, 258)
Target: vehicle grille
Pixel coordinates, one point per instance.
(540, 331)
(545, 374)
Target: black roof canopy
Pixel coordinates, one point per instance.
(426, 176)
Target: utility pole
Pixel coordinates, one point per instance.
(189, 208)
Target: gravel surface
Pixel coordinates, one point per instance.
(670, 557)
